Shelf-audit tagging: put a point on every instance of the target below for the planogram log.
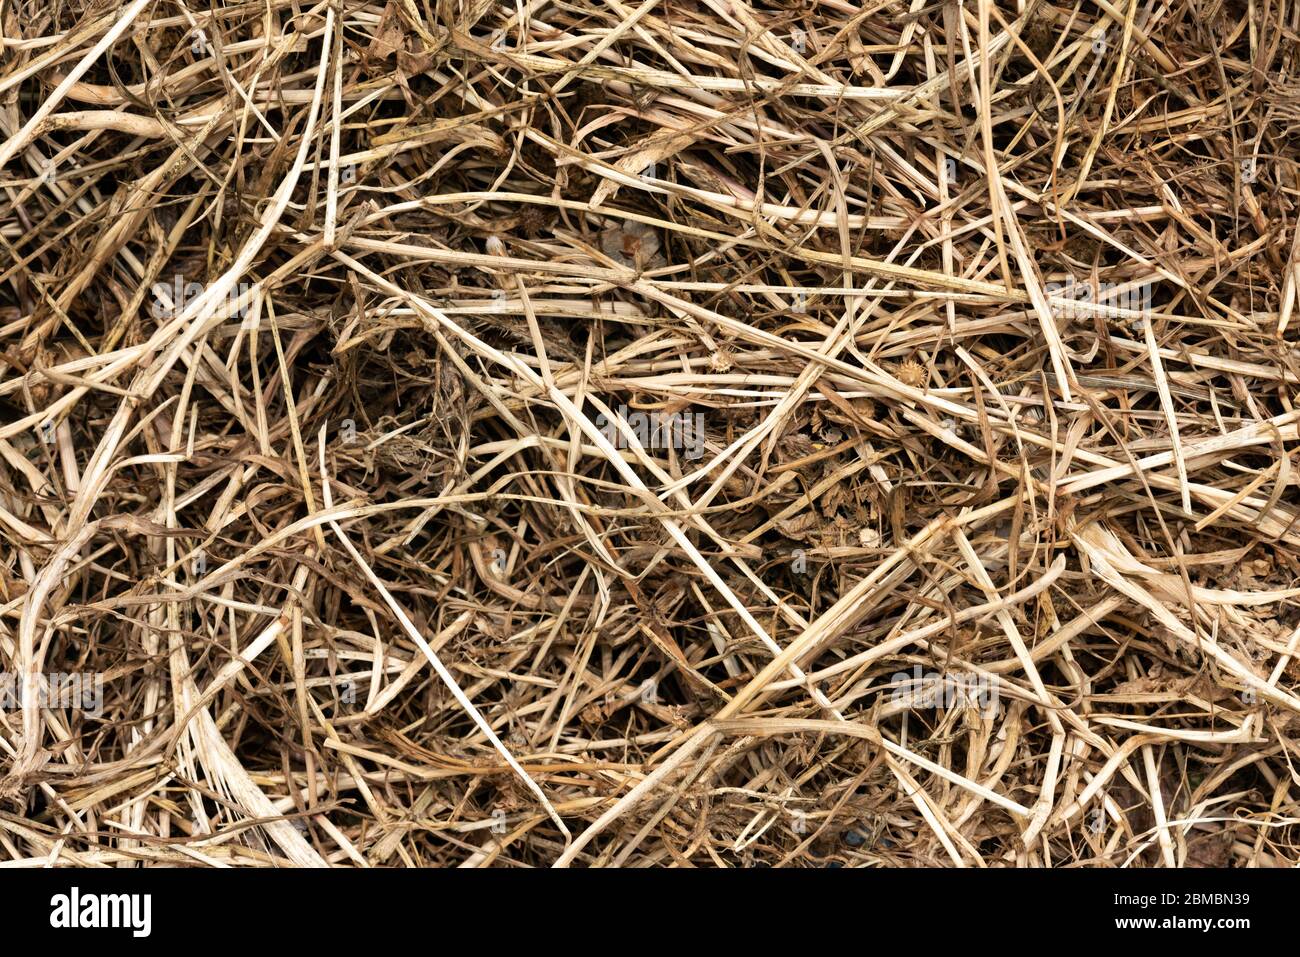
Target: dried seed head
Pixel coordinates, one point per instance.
(911, 373)
(532, 221)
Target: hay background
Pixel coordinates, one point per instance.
(433, 242)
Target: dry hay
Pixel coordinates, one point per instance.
(531, 434)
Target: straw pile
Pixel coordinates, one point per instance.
(707, 433)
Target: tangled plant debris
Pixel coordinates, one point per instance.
(349, 351)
